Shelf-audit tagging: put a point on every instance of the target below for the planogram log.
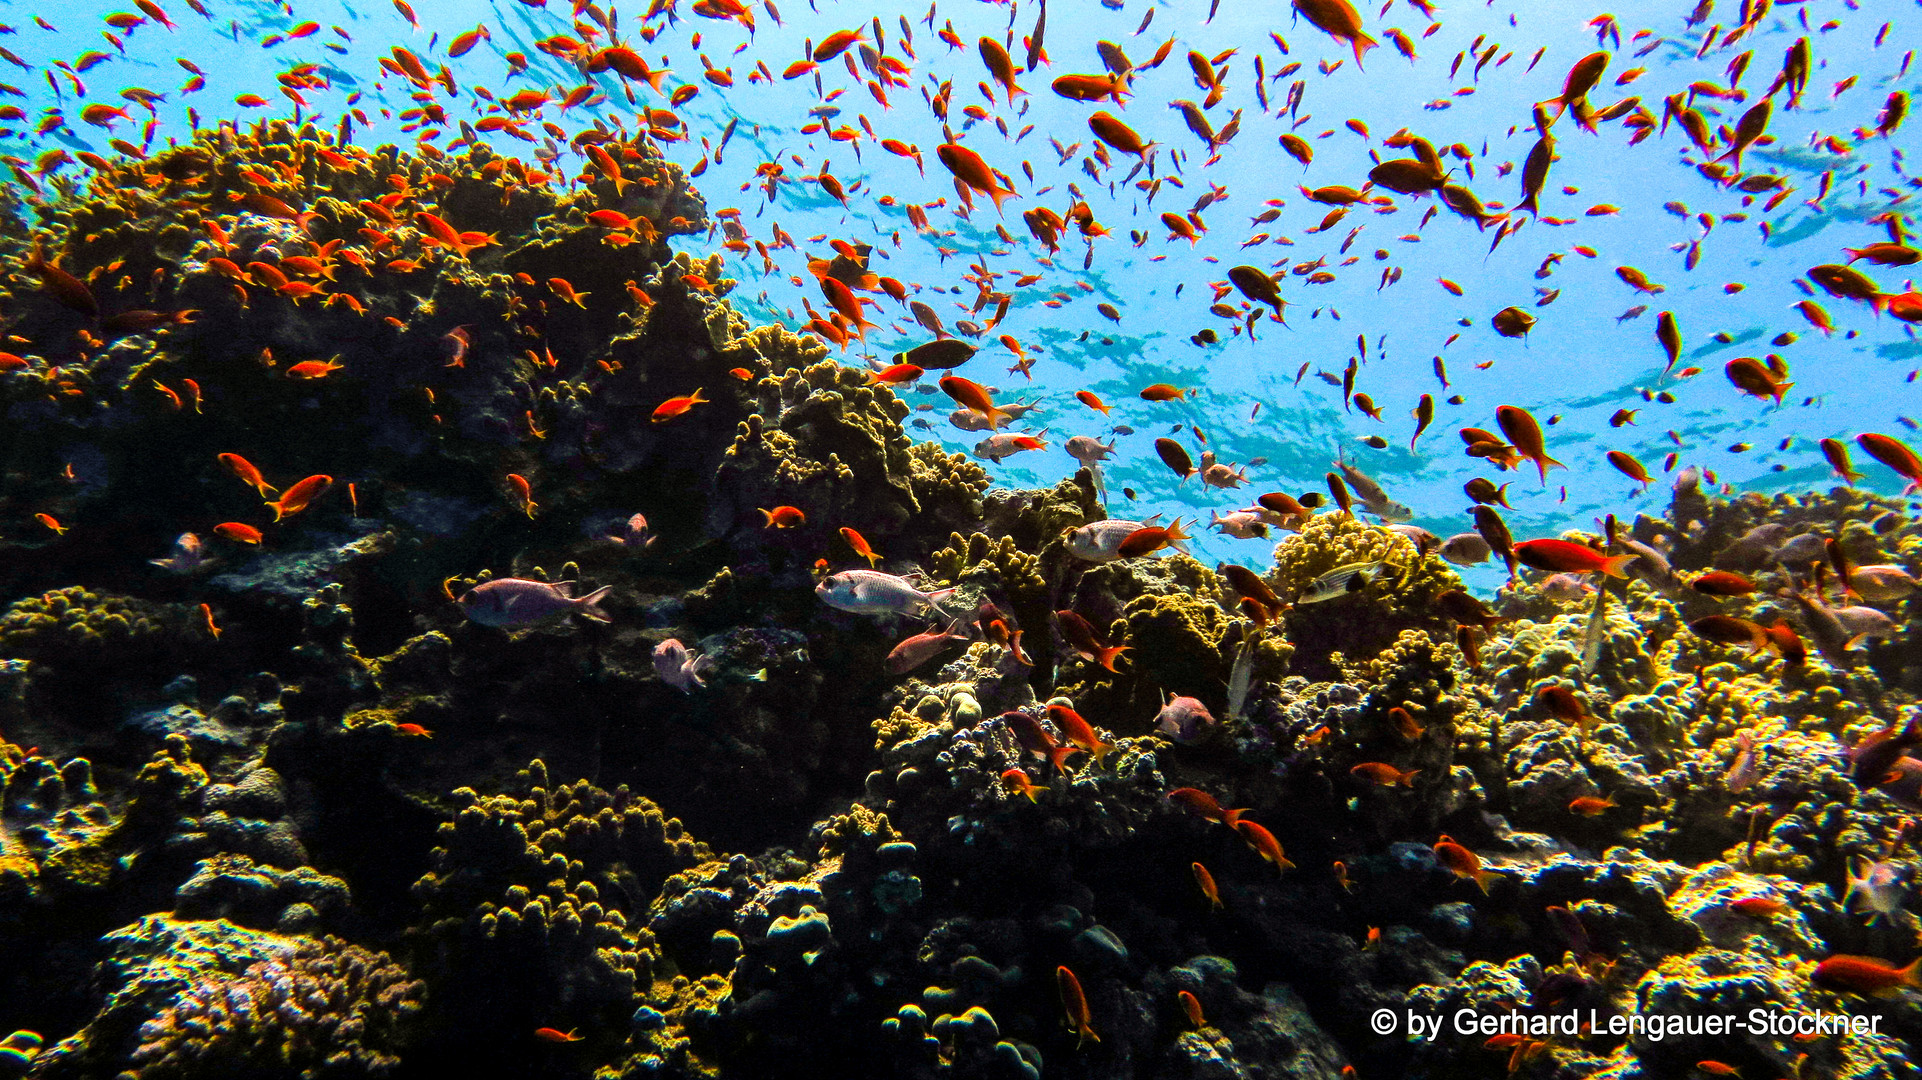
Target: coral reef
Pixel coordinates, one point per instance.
(265, 800)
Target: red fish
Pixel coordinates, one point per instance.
(1896, 455)
(237, 531)
(676, 406)
(1080, 732)
(297, 498)
(1563, 557)
(1462, 863)
(1865, 975)
(1076, 1004)
(1206, 882)
(1035, 739)
(1080, 636)
(784, 517)
(860, 545)
(1265, 843)
(1204, 804)
(247, 473)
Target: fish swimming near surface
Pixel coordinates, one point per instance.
(509, 602)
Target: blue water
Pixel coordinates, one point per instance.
(1580, 363)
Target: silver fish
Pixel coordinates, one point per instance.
(189, 556)
(870, 592)
(507, 602)
(1341, 581)
(1466, 549)
(1242, 525)
(1101, 541)
(1879, 884)
(1371, 497)
(1088, 450)
(679, 666)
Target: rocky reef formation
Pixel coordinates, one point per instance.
(266, 800)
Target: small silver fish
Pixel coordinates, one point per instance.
(1088, 450)
(189, 556)
(1879, 884)
(1342, 580)
(1371, 497)
(1466, 549)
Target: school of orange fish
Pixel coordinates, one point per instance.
(1726, 127)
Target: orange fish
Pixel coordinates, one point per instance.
(895, 375)
(565, 290)
(312, 369)
(52, 523)
(1192, 1006)
(1163, 392)
(249, 475)
(860, 545)
(784, 517)
(548, 1034)
(1152, 538)
(973, 397)
(1759, 907)
(523, 493)
(1462, 863)
(296, 498)
(1865, 975)
(1088, 398)
(968, 167)
(1522, 430)
(1896, 455)
(675, 406)
(414, 730)
(1076, 1005)
(1591, 806)
(1080, 732)
(1264, 842)
(1204, 804)
(236, 531)
(1206, 881)
(1017, 781)
(1380, 772)
(1564, 557)
(1111, 131)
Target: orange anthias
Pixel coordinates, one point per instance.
(860, 545)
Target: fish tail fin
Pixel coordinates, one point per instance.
(1482, 878)
(1231, 817)
(1616, 566)
(1363, 43)
(769, 515)
(1058, 756)
(1106, 657)
(589, 605)
(998, 416)
(1407, 779)
(1282, 863)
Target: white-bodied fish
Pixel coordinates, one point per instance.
(1342, 580)
(1371, 497)
(516, 602)
(679, 666)
(1242, 524)
(870, 592)
(1101, 541)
